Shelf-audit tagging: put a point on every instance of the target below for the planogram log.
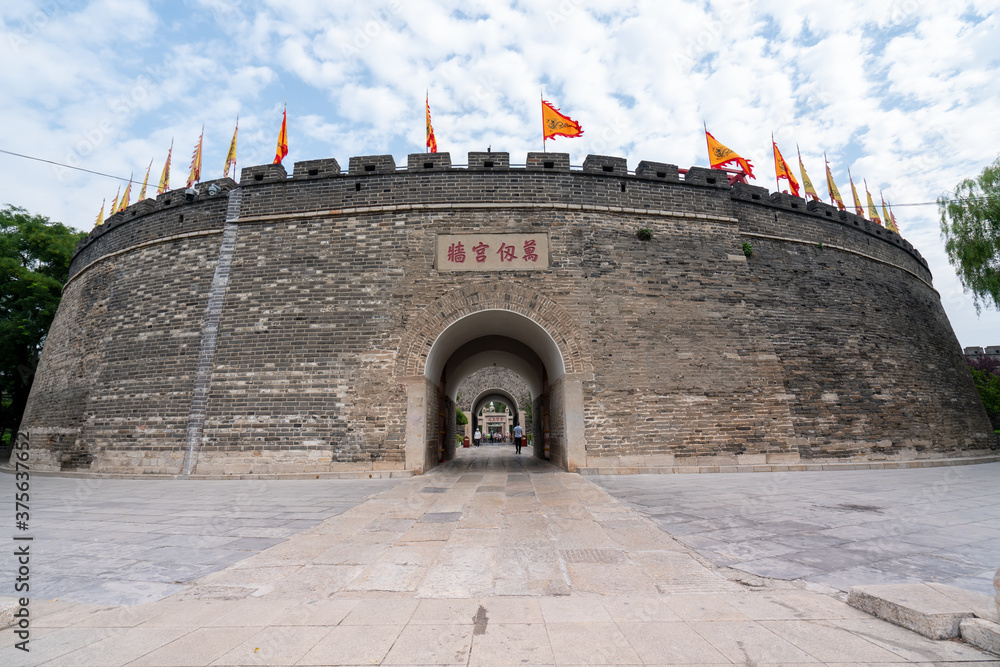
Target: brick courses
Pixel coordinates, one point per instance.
(829, 344)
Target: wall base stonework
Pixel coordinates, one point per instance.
(648, 467)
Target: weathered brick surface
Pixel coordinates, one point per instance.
(829, 343)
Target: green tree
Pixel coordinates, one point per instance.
(34, 263)
(460, 418)
(970, 225)
(986, 374)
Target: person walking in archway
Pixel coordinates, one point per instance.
(517, 439)
(477, 437)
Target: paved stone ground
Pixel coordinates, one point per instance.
(494, 559)
(122, 542)
(839, 529)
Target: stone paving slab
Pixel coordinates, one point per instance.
(835, 528)
(566, 574)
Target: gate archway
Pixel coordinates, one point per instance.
(534, 342)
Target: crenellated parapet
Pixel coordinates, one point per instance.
(375, 182)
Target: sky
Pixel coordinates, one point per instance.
(904, 93)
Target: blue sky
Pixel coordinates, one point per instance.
(904, 92)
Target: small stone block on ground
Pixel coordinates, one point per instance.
(7, 608)
(982, 634)
(917, 607)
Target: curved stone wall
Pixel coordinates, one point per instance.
(282, 326)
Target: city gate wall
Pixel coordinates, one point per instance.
(827, 345)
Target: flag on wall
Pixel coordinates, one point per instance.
(195, 174)
(831, 187)
(872, 211)
(282, 150)
(100, 216)
(719, 155)
(886, 217)
(807, 184)
(782, 170)
(858, 208)
(142, 190)
(231, 155)
(895, 225)
(432, 144)
(127, 195)
(557, 124)
(114, 203)
(165, 176)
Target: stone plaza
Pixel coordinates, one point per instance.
(498, 559)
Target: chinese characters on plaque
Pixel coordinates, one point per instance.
(492, 252)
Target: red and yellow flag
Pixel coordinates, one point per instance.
(432, 144)
(100, 216)
(142, 190)
(886, 217)
(872, 211)
(895, 225)
(719, 155)
(807, 184)
(282, 150)
(858, 208)
(831, 187)
(114, 203)
(127, 195)
(165, 176)
(782, 170)
(556, 124)
(231, 155)
(195, 174)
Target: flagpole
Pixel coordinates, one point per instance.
(708, 147)
(541, 96)
(829, 177)
(774, 154)
(427, 106)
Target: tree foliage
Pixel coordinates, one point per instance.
(970, 225)
(986, 374)
(34, 263)
(460, 418)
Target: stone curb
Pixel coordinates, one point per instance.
(347, 474)
(785, 467)
(982, 634)
(919, 607)
(7, 607)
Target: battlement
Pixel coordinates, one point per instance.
(172, 199)
(651, 185)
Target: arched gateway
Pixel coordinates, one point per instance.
(320, 323)
(494, 324)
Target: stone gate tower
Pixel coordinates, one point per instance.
(321, 323)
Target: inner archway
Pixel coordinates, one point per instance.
(494, 338)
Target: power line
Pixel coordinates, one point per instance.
(67, 166)
(126, 180)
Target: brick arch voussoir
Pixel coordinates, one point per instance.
(461, 302)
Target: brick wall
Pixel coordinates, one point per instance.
(828, 343)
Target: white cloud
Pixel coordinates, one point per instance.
(903, 92)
